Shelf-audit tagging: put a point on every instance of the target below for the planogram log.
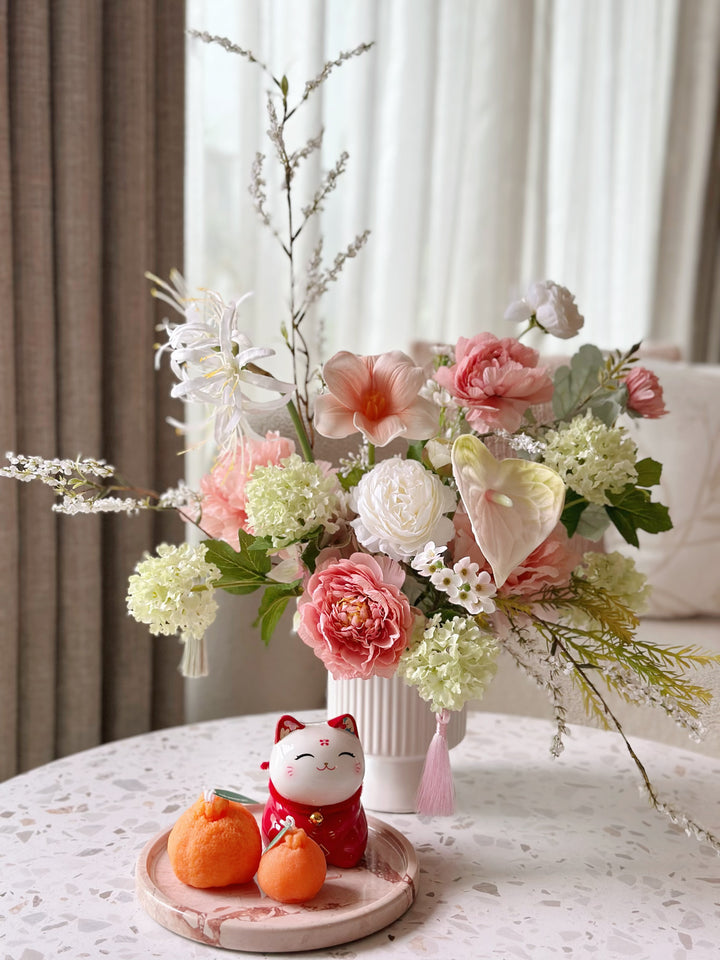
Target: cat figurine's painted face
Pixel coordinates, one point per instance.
(317, 763)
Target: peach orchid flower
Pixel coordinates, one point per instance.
(376, 396)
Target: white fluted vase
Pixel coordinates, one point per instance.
(395, 728)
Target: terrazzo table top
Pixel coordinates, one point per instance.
(544, 858)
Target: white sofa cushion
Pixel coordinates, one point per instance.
(683, 565)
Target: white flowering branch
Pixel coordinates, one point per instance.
(290, 160)
(82, 487)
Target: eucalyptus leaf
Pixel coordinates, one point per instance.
(573, 384)
(607, 406)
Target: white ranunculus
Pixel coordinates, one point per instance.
(553, 307)
(400, 507)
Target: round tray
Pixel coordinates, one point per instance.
(351, 904)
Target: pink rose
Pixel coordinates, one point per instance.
(223, 489)
(550, 564)
(495, 380)
(645, 395)
(354, 615)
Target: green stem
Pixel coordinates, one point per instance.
(371, 454)
(301, 432)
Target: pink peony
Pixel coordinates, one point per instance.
(496, 380)
(223, 489)
(354, 615)
(376, 396)
(550, 564)
(645, 395)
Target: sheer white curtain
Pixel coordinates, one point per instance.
(491, 142)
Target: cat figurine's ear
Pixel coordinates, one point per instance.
(345, 722)
(285, 725)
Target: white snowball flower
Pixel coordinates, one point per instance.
(400, 507)
(553, 307)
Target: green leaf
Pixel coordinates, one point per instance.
(351, 479)
(284, 86)
(272, 606)
(574, 384)
(570, 517)
(240, 572)
(632, 510)
(231, 795)
(415, 450)
(649, 472)
(594, 521)
(310, 554)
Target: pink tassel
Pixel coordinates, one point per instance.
(436, 793)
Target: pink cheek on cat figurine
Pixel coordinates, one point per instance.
(317, 779)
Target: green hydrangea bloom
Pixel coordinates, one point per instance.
(450, 663)
(291, 499)
(592, 458)
(173, 591)
(617, 574)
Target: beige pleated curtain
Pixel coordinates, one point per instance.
(91, 196)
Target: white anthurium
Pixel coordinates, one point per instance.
(513, 504)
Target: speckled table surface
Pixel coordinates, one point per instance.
(543, 858)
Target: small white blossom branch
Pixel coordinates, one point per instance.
(313, 84)
(543, 670)
(326, 187)
(677, 817)
(78, 484)
(318, 280)
(230, 47)
(313, 144)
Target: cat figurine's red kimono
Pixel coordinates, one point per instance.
(316, 773)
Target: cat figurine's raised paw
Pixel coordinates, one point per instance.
(316, 774)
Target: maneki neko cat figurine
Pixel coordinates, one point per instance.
(316, 773)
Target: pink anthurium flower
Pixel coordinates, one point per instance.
(513, 504)
(376, 396)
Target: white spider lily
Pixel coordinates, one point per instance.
(214, 362)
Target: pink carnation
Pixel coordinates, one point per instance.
(645, 395)
(354, 615)
(223, 489)
(495, 380)
(550, 564)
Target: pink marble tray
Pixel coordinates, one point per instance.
(351, 904)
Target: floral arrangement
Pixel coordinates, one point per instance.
(478, 529)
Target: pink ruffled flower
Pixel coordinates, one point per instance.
(376, 396)
(645, 395)
(223, 489)
(354, 616)
(550, 564)
(495, 380)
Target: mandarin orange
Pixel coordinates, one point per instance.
(215, 843)
(292, 871)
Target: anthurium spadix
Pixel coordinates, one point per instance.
(513, 504)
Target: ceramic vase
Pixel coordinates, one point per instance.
(395, 728)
